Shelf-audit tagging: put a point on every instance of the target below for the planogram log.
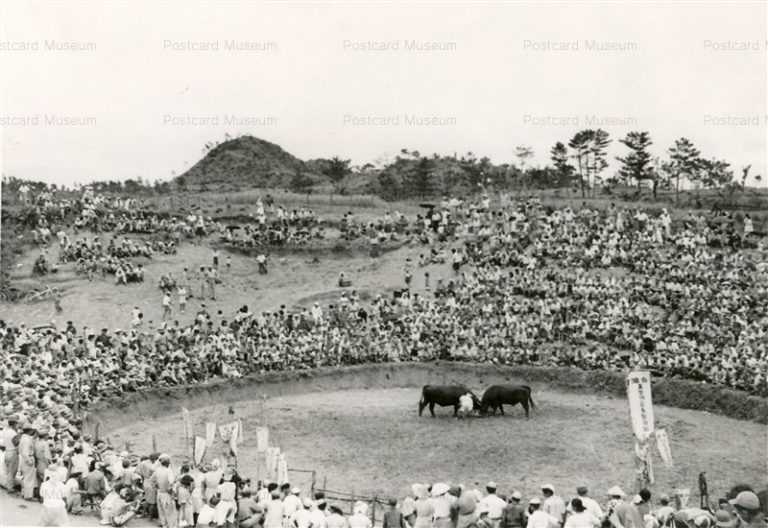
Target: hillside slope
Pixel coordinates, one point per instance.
(245, 161)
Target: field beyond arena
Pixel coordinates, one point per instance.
(373, 443)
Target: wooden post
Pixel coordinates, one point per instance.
(96, 432)
(312, 487)
(154, 443)
(373, 511)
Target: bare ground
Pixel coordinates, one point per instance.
(372, 442)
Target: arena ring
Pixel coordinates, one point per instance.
(359, 429)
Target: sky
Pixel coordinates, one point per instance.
(115, 90)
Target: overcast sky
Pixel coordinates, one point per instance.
(108, 90)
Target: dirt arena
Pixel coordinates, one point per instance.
(372, 442)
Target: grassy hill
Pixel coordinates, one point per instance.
(245, 161)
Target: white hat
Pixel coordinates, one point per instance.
(491, 485)
(517, 495)
(439, 489)
(616, 492)
(295, 491)
(549, 487)
(535, 500)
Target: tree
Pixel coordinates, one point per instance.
(683, 162)
(714, 174)
(420, 178)
(637, 164)
(389, 188)
(580, 143)
(598, 148)
(301, 183)
(336, 170)
(559, 157)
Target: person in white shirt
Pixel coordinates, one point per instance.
(301, 518)
(539, 518)
(291, 504)
(589, 503)
(274, 512)
(553, 504)
(495, 505)
(580, 516)
(54, 508)
(317, 514)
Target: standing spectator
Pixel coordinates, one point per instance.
(54, 508)
(166, 306)
(553, 504)
(514, 513)
(538, 517)
(182, 292)
(589, 503)
(393, 517)
(494, 504)
(273, 517)
(27, 461)
(580, 516)
(9, 440)
(746, 505)
(164, 478)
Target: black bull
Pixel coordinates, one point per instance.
(498, 395)
(444, 395)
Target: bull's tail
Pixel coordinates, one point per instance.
(423, 400)
(530, 400)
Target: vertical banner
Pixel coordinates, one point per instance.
(262, 439)
(199, 450)
(233, 439)
(643, 465)
(662, 444)
(210, 434)
(187, 427)
(640, 404)
(273, 456)
(282, 470)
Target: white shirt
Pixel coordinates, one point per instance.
(290, 504)
(495, 505)
(584, 519)
(301, 518)
(541, 519)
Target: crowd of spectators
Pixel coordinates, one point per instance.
(73, 474)
(523, 284)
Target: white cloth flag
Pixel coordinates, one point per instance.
(234, 438)
(662, 444)
(273, 457)
(199, 449)
(210, 434)
(282, 470)
(640, 404)
(262, 439)
(187, 423)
